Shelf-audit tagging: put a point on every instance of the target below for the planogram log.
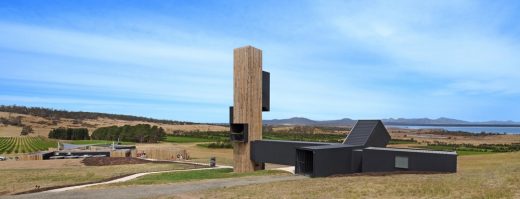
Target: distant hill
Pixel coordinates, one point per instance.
(391, 121)
(14, 119)
(79, 115)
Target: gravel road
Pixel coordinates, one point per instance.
(147, 191)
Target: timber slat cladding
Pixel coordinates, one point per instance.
(247, 71)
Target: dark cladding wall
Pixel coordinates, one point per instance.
(278, 152)
(328, 160)
(384, 160)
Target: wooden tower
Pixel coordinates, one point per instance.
(246, 113)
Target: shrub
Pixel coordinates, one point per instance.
(138, 133)
(69, 133)
(26, 130)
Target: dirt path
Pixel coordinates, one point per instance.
(148, 191)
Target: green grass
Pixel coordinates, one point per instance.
(402, 141)
(182, 176)
(334, 138)
(94, 142)
(461, 151)
(186, 139)
(217, 145)
(224, 136)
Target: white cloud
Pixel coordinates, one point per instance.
(150, 53)
(433, 38)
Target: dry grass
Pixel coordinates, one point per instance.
(17, 176)
(202, 154)
(196, 153)
(39, 164)
(479, 176)
(10, 131)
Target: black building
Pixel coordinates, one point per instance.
(364, 150)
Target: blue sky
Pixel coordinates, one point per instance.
(328, 59)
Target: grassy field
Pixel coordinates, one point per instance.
(9, 145)
(10, 131)
(460, 151)
(223, 136)
(479, 176)
(66, 172)
(186, 139)
(203, 154)
(173, 177)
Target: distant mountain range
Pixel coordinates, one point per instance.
(391, 121)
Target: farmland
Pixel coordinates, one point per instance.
(10, 145)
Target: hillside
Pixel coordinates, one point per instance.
(14, 118)
(79, 115)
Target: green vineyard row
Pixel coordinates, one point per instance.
(10, 145)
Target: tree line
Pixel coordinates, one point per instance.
(138, 133)
(305, 129)
(69, 134)
(54, 114)
(480, 147)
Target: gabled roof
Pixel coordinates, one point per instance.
(368, 133)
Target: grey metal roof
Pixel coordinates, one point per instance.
(368, 133)
(412, 150)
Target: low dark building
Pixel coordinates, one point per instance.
(364, 150)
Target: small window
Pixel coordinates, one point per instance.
(401, 162)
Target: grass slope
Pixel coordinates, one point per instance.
(164, 178)
(17, 180)
(479, 176)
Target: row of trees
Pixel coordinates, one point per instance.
(138, 133)
(54, 114)
(69, 134)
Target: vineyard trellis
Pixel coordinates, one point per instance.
(10, 145)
